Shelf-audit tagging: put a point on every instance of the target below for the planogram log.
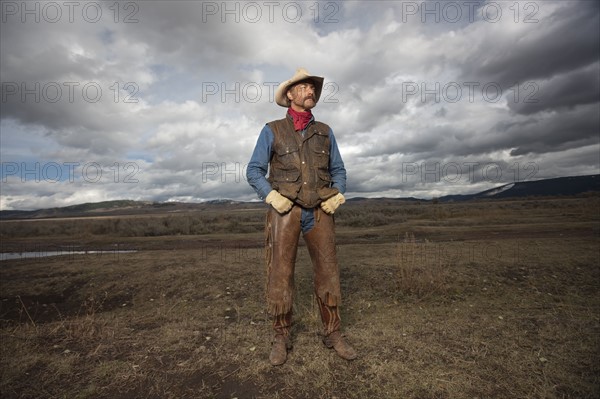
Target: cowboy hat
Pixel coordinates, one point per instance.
(300, 75)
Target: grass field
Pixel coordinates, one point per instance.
(450, 300)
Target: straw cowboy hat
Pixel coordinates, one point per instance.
(300, 75)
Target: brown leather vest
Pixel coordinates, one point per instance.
(299, 167)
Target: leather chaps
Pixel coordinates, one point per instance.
(282, 236)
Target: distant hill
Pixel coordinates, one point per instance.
(89, 209)
(122, 207)
(562, 186)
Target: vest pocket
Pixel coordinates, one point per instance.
(321, 158)
(324, 176)
(285, 151)
(327, 192)
(287, 182)
(286, 176)
(323, 187)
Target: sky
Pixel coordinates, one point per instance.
(164, 100)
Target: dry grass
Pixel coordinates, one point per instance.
(422, 267)
(503, 303)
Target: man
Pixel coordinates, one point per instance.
(306, 182)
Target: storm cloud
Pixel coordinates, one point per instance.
(164, 100)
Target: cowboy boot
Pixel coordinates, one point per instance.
(336, 341)
(279, 349)
(330, 316)
(281, 341)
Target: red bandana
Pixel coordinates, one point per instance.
(301, 119)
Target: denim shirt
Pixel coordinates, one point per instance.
(258, 167)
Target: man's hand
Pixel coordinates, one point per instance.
(279, 202)
(333, 203)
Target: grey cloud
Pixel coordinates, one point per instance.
(555, 132)
(565, 90)
(566, 40)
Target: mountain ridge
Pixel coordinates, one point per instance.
(559, 186)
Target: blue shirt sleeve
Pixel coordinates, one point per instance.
(336, 165)
(258, 166)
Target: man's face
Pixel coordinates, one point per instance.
(302, 96)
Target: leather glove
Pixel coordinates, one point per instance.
(279, 202)
(330, 205)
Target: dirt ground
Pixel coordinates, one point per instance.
(481, 300)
